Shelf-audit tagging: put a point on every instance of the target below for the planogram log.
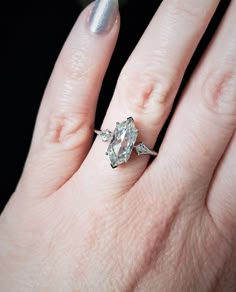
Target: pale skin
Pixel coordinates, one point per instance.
(76, 224)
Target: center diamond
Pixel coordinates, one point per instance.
(122, 143)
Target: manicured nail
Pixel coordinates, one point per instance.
(103, 15)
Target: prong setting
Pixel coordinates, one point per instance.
(122, 142)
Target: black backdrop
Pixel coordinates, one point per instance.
(33, 34)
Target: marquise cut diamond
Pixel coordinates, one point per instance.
(122, 142)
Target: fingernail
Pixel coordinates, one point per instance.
(103, 15)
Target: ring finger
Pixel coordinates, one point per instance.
(148, 84)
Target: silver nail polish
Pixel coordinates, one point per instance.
(103, 15)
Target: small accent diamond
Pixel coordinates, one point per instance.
(106, 135)
(142, 149)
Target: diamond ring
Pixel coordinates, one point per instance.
(122, 142)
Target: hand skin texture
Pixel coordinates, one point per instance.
(76, 224)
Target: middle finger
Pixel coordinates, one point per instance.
(148, 84)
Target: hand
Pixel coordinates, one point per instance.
(76, 224)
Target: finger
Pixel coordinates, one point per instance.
(64, 127)
(148, 84)
(221, 200)
(205, 119)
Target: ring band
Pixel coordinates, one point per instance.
(122, 142)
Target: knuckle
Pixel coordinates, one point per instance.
(70, 130)
(188, 10)
(74, 63)
(147, 94)
(219, 93)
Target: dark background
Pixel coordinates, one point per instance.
(33, 34)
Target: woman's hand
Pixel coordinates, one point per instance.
(76, 224)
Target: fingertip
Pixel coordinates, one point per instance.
(103, 16)
(99, 20)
